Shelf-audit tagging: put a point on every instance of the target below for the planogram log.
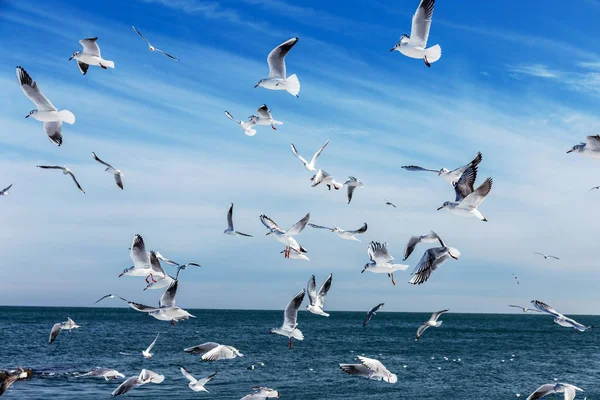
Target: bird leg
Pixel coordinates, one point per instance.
(148, 277)
(172, 323)
(426, 62)
(291, 343)
(393, 282)
(329, 187)
(102, 66)
(152, 276)
(273, 126)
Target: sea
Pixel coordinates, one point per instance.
(470, 356)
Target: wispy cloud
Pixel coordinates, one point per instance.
(536, 70)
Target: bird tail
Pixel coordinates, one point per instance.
(111, 64)
(67, 116)
(297, 334)
(438, 324)
(292, 84)
(400, 267)
(433, 53)
(250, 132)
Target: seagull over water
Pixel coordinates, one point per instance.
(152, 48)
(69, 324)
(559, 318)
(432, 259)
(145, 376)
(106, 373)
(286, 237)
(591, 147)
(547, 256)
(451, 176)
(371, 313)
(309, 166)
(230, 231)
(347, 235)
(430, 237)
(467, 199)
(45, 110)
(278, 79)
(381, 261)
(261, 393)
(317, 300)
(433, 321)
(66, 171)
(290, 319)
(90, 56)
(146, 353)
(111, 170)
(370, 368)
(524, 309)
(195, 384)
(323, 177)
(4, 192)
(552, 388)
(211, 351)
(352, 184)
(415, 45)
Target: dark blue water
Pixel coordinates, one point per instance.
(542, 352)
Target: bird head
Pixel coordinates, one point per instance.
(577, 147)
(443, 171)
(74, 55)
(336, 229)
(365, 268)
(32, 112)
(446, 204)
(125, 271)
(259, 83)
(272, 331)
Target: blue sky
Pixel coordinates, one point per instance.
(521, 88)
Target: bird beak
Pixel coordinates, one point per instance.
(440, 208)
(120, 275)
(255, 86)
(569, 151)
(70, 58)
(268, 233)
(28, 115)
(392, 49)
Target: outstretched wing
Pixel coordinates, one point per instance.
(201, 348)
(276, 58)
(168, 55)
(264, 112)
(419, 169)
(464, 186)
(140, 35)
(54, 131)
(318, 153)
(298, 156)
(90, 46)
(427, 265)
(421, 23)
(323, 291)
(102, 162)
(32, 91)
(320, 227)
(168, 297)
(312, 290)
(298, 226)
(362, 229)
(379, 253)
(543, 307)
(477, 197)
(269, 223)
(187, 375)
(290, 315)
(76, 183)
(230, 217)
(153, 343)
(421, 329)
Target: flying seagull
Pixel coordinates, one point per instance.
(309, 166)
(371, 313)
(230, 230)
(45, 110)
(547, 256)
(106, 373)
(144, 263)
(261, 393)
(145, 376)
(247, 126)
(552, 388)
(66, 171)
(290, 319)
(370, 368)
(90, 56)
(516, 278)
(559, 318)
(69, 324)
(278, 79)
(451, 176)
(352, 184)
(317, 300)
(4, 192)
(263, 117)
(591, 147)
(111, 170)
(524, 309)
(433, 321)
(146, 353)
(415, 240)
(286, 237)
(323, 177)
(381, 261)
(347, 235)
(415, 45)
(211, 351)
(432, 259)
(389, 203)
(467, 199)
(152, 48)
(195, 384)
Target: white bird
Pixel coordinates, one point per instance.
(66, 171)
(212, 351)
(467, 200)
(286, 237)
(144, 263)
(265, 117)
(146, 353)
(415, 45)
(552, 388)
(547, 256)
(432, 259)
(4, 192)
(516, 278)
(317, 300)
(152, 48)
(370, 368)
(247, 126)
(323, 177)
(196, 385)
(347, 235)
(309, 166)
(559, 318)
(230, 230)
(45, 111)
(433, 321)
(145, 376)
(294, 254)
(352, 184)
(261, 393)
(381, 261)
(415, 240)
(106, 373)
(69, 324)
(591, 147)
(90, 56)
(111, 170)
(290, 319)
(371, 313)
(278, 79)
(524, 309)
(451, 176)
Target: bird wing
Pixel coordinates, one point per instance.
(51, 167)
(102, 162)
(103, 297)
(168, 55)
(318, 177)
(56, 328)
(436, 315)
(290, 315)
(140, 35)
(264, 112)
(54, 131)
(410, 246)
(119, 180)
(298, 156)
(165, 259)
(201, 348)
(360, 230)
(379, 253)
(417, 168)
(320, 227)
(374, 365)
(146, 375)
(204, 381)
(218, 353)
(464, 186)
(168, 297)
(312, 290)
(593, 142)
(8, 381)
(556, 258)
(515, 306)
(477, 197)
(138, 254)
(276, 58)
(228, 115)
(270, 224)
(421, 23)
(153, 343)
(543, 307)
(356, 369)
(126, 386)
(318, 153)
(372, 312)
(76, 183)
(188, 376)
(6, 189)
(428, 263)
(323, 291)
(32, 91)
(155, 265)
(90, 46)
(475, 162)
(421, 330)
(230, 217)
(298, 226)
(542, 391)
(350, 193)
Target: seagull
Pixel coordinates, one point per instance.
(371, 313)
(415, 45)
(370, 368)
(90, 56)
(451, 176)
(109, 168)
(151, 269)
(69, 324)
(294, 254)
(197, 385)
(184, 267)
(66, 171)
(432, 259)
(146, 353)
(278, 79)
(415, 240)
(381, 261)
(265, 117)
(552, 388)
(591, 147)
(7, 381)
(547, 256)
(145, 376)
(230, 231)
(524, 309)
(106, 373)
(433, 321)
(4, 192)
(389, 203)
(317, 300)
(261, 393)
(290, 319)
(323, 177)
(45, 111)
(286, 237)
(152, 48)
(246, 126)
(347, 235)
(309, 166)
(559, 318)
(212, 351)
(467, 199)
(352, 184)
